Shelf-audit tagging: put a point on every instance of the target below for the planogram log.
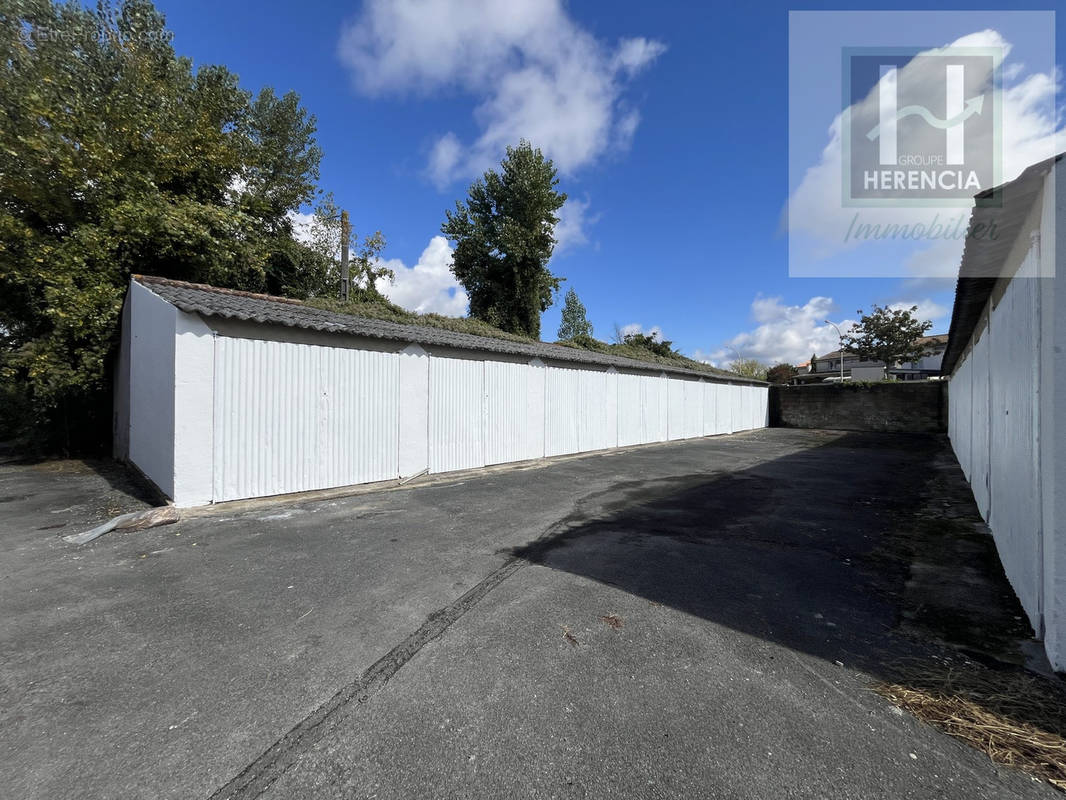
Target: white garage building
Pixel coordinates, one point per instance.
(223, 395)
(1006, 357)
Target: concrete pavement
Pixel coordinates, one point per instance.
(449, 640)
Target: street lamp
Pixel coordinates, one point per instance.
(727, 344)
(841, 351)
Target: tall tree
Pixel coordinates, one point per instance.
(575, 325)
(504, 236)
(116, 156)
(888, 335)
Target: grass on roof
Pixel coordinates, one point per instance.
(389, 312)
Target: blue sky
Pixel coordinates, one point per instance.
(670, 120)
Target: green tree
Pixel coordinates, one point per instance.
(749, 368)
(365, 265)
(116, 157)
(575, 324)
(653, 344)
(504, 236)
(781, 373)
(888, 335)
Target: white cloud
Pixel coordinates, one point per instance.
(655, 332)
(574, 221)
(927, 310)
(790, 334)
(302, 225)
(429, 285)
(534, 72)
(818, 224)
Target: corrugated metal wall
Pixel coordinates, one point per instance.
(456, 406)
(510, 434)
(292, 417)
(562, 403)
(1014, 505)
(994, 429)
(296, 417)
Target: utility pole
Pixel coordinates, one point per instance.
(841, 350)
(346, 235)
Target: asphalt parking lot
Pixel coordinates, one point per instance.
(694, 619)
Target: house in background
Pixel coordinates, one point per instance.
(855, 368)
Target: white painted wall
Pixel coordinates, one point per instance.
(1006, 399)
(222, 411)
(291, 417)
(153, 322)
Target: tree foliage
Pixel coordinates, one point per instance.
(749, 368)
(781, 373)
(653, 344)
(365, 265)
(117, 157)
(888, 335)
(575, 324)
(504, 236)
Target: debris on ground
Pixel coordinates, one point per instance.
(568, 635)
(613, 620)
(1017, 718)
(134, 521)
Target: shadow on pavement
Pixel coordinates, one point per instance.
(866, 550)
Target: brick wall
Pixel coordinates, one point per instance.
(914, 407)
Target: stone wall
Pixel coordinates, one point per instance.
(911, 407)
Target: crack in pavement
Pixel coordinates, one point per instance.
(258, 776)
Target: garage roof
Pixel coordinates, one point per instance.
(983, 257)
(211, 301)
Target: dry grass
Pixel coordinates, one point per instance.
(1016, 718)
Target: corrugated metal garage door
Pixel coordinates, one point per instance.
(598, 417)
(509, 428)
(295, 417)
(561, 403)
(455, 414)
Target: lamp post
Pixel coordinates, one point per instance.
(841, 350)
(734, 350)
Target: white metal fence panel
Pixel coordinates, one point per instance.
(656, 408)
(979, 439)
(562, 403)
(1015, 510)
(692, 411)
(630, 410)
(456, 397)
(763, 408)
(736, 408)
(597, 410)
(723, 405)
(709, 416)
(675, 405)
(510, 430)
(960, 394)
(294, 417)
